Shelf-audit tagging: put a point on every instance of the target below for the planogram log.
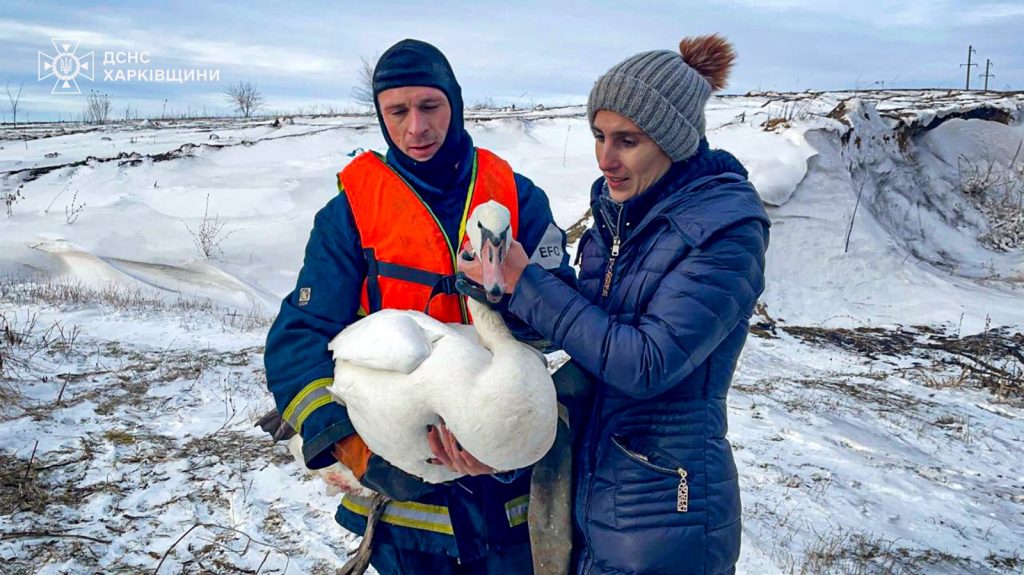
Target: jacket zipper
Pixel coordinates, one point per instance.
(606, 287)
(682, 491)
(610, 272)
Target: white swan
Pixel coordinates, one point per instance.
(400, 371)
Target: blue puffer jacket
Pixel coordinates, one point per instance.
(662, 346)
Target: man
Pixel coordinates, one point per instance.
(389, 240)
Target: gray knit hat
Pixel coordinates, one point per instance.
(663, 95)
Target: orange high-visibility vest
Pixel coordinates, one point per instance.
(410, 262)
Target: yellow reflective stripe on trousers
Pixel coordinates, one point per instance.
(405, 514)
(311, 398)
(516, 510)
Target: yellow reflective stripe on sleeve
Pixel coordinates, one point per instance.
(517, 509)
(313, 396)
(309, 409)
(406, 514)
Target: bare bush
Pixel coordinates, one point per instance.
(13, 100)
(210, 233)
(362, 93)
(246, 97)
(15, 333)
(11, 197)
(998, 192)
(97, 108)
(73, 210)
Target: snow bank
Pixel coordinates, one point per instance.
(869, 229)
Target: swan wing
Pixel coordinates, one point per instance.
(389, 340)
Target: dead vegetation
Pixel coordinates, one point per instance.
(12, 337)
(848, 552)
(55, 496)
(997, 190)
(576, 231)
(210, 233)
(34, 484)
(798, 549)
(67, 293)
(991, 360)
(782, 115)
(22, 339)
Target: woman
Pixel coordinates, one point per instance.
(669, 275)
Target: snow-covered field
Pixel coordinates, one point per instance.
(877, 413)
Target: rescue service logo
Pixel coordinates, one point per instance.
(66, 66)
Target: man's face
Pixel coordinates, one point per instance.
(417, 119)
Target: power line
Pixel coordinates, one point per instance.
(987, 75)
(970, 52)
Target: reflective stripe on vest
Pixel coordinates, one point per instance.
(405, 514)
(430, 517)
(517, 510)
(410, 261)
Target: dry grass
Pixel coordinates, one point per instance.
(22, 338)
(10, 363)
(841, 551)
(991, 360)
(33, 485)
(782, 116)
(998, 192)
(1013, 563)
(47, 500)
(253, 319)
(64, 293)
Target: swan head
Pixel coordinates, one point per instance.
(489, 231)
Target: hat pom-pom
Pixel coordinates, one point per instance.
(711, 56)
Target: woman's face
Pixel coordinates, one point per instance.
(628, 157)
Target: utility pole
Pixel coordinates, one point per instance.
(970, 52)
(987, 75)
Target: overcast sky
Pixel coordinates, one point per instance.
(305, 54)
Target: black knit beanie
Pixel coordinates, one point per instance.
(416, 63)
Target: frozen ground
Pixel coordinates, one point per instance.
(877, 410)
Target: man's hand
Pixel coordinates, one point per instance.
(448, 452)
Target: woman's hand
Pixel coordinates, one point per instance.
(513, 265)
(448, 452)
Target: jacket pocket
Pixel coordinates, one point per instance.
(652, 488)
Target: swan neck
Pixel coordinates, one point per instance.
(489, 324)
